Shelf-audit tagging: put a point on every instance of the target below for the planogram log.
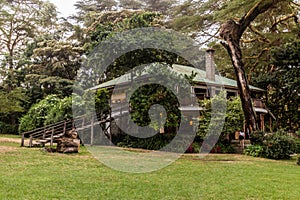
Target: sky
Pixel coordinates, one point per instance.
(65, 7)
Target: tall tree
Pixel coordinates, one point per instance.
(283, 83)
(231, 32)
(253, 28)
(131, 4)
(86, 9)
(19, 22)
(52, 66)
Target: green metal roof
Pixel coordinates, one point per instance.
(180, 69)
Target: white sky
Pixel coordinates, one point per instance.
(65, 7)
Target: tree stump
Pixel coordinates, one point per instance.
(69, 143)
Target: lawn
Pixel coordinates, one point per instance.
(34, 174)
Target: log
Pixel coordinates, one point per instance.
(69, 143)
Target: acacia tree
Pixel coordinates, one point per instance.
(20, 21)
(231, 32)
(253, 29)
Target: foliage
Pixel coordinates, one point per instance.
(161, 93)
(51, 66)
(12, 101)
(37, 114)
(278, 146)
(19, 23)
(154, 143)
(62, 110)
(50, 110)
(284, 85)
(274, 146)
(8, 128)
(155, 94)
(102, 98)
(234, 117)
(257, 137)
(298, 145)
(254, 150)
(227, 148)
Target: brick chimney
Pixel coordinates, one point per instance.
(210, 65)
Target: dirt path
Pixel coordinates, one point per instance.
(14, 140)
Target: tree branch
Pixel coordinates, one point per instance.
(261, 7)
(292, 15)
(257, 32)
(259, 55)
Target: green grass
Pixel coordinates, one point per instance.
(33, 174)
(9, 136)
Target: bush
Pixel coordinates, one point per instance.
(8, 128)
(257, 138)
(227, 149)
(297, 146)
(274, 146)
(153, 143)
(278, 146)
(254, 150)
(60, 111)
(37, 114)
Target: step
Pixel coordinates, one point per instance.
(44, 141)
(237, 142)
(36, 144)
(58, 136)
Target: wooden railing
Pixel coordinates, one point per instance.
(49, 133)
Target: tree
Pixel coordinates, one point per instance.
(19, 22)
(161, 6)
(131, 4)
(86, 9)
(231, 32)
(12, 101)
(52, 66)
(255, 27)
(283, 85)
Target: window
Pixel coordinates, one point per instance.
(200, 93)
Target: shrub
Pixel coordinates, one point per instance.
(36, 115)
(279, 146)
(8, 128)
(62, 110)
(297, 146)
(257, 138)
(254, 150)
(227, 149)
(153, 143)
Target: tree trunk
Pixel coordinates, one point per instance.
(234, 50)
(231, 32)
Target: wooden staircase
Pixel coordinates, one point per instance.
(47, 134)
(237, 147)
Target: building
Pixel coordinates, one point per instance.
(205, 85)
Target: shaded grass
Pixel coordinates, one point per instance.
(33, 174)
(9, 136)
